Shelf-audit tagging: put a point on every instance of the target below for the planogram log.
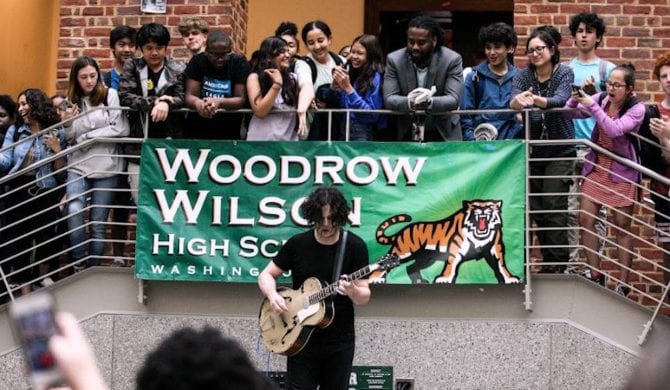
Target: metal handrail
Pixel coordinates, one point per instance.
(529, 229)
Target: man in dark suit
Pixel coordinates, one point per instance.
(423, 64)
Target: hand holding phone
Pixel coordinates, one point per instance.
(33, 324)
(576, 88)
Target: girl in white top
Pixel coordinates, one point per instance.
(93, 168)
(317, 36)
(270, 89)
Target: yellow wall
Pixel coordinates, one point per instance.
(28, 43)
(345, 18)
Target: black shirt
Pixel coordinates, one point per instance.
(215, 82)
(305, 257)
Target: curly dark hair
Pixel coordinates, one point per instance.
(41, 109)
(363, 78)
(428, 23)
(287, 28)
(8, 104)
(311, 209)
(498, 33)
(589, 19)
(191, 359)
(269, 49)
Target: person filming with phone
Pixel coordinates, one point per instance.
(607, 182)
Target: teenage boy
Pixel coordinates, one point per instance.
(216, 79)
(152, 86)
(591, 73)
(122, 43)
(489, 84)
(194, 33)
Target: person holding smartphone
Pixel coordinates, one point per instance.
(660, 128)
(271, 87)
(93, 169)
(608, 182)
(361, 87)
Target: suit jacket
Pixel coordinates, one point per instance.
(445, 72)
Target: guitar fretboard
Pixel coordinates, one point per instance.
(330, 289)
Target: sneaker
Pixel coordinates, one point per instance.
(46, 282)
(588, 274)
(79, 267)
(118, 262)
(622, 290)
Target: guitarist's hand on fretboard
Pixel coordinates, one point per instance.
(357, 290)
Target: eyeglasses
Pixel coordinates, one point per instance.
(218, 56)
(615, 85)
(535, 51)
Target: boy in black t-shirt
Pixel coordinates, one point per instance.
(216, 79)
(327, 358)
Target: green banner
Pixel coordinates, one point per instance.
(219, 211)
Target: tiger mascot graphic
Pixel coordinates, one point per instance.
(473, 232)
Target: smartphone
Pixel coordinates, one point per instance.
(66, 106)
(576, 88)
(33, 325)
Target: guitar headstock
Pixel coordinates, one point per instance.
(388, 261)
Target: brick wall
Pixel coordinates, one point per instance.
(636, 32)
(85, 26)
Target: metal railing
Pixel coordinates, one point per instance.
(65, 266)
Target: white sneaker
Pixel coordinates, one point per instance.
(46, 282)
(118, 262)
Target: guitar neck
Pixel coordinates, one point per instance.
(330, 289)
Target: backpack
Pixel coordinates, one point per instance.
(602, 72)
(648, 154)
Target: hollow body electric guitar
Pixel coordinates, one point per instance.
(287, 333)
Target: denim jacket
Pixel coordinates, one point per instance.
(12, 158)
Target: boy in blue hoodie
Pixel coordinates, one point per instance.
(489, 85)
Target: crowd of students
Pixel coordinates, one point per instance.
(425, 78)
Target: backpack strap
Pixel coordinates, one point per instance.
(602, 72)
(339, 256)
(479, 91)
(312, 65)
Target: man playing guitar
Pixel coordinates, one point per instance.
(327, 358)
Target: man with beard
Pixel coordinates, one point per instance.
(425, 63)
(122, 42)
(327, 358)
(216, 79)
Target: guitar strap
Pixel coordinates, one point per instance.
(339, 257)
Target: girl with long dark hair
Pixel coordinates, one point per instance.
(361, 87)
(271, 87)
(32, 198)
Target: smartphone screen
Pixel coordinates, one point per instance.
(34, 324)
(35, 330)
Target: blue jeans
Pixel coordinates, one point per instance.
(77, 189)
